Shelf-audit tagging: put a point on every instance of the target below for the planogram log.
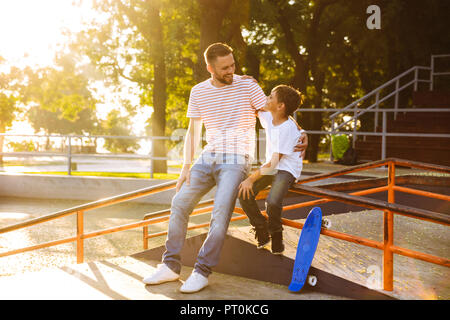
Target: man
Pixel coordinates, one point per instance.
(226, 105)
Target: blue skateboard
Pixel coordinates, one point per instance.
(307, 245)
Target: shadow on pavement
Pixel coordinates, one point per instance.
(240, 258)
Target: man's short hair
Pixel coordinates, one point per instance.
(215, 50)
(291, 98)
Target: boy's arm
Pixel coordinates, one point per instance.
(246, 186)
(266, 168)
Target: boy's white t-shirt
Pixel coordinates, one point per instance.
(282, 139)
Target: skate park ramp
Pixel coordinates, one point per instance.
(244, 273)
(344, 270)
(241, 258)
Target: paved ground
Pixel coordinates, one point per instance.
(121, 279)
(109, 272)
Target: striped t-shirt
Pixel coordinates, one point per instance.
(228, 114)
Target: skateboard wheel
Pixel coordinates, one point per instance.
(326, 223)
(312, 280)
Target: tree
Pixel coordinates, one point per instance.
(303, 35)
(59, 99)
(9, 82)
(117, 125)
(130, 46)
(321, 47)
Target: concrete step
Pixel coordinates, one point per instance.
(433, 99)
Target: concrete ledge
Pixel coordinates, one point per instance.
(80, 188)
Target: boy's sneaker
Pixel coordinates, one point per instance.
(277, 243)
(194, 283)
(261, 236)
(162, 274)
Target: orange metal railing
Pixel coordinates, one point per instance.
(389, 208)
(325, 193)
(80, 211)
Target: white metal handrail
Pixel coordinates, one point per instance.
(378, 101)
(357, 112)
(377, 90)
(352, 107)
(69, 155)
(433, 73)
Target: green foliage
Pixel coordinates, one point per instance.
(322, 47)
(117, 125)
(340, 144)
(7, 109)
(9, 96)
(60, 98)
(22, 146)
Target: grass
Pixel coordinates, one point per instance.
(139, 175)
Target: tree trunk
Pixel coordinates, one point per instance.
(158, 119)
(303, 65)
(2, 139)
(212, 13)
(152, 30)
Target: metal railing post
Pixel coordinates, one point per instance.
(388, 222)
(331, 140)
(355, 117)
(80, 241)
(69, 156)
(152, 161)
(431, 73)
(144, 237)
(383, 137)
(416, 78)
(377, 98)
(397, 83)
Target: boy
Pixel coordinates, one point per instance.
(282, 167)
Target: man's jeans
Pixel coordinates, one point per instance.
(224, 170)
(281, 182)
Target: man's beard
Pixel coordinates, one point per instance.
(225, 80)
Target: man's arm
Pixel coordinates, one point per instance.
(191, 144)
(247, 77)
(302, 142)
(260, 109)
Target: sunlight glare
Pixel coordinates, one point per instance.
(31, 31)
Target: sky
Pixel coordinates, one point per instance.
(31, 31)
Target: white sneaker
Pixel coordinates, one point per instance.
(162, 274)
(194, 283)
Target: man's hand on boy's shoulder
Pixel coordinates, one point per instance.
(302, 144)
(247, 77)
(257, 111)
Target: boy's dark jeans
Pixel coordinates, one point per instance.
(281, 182)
